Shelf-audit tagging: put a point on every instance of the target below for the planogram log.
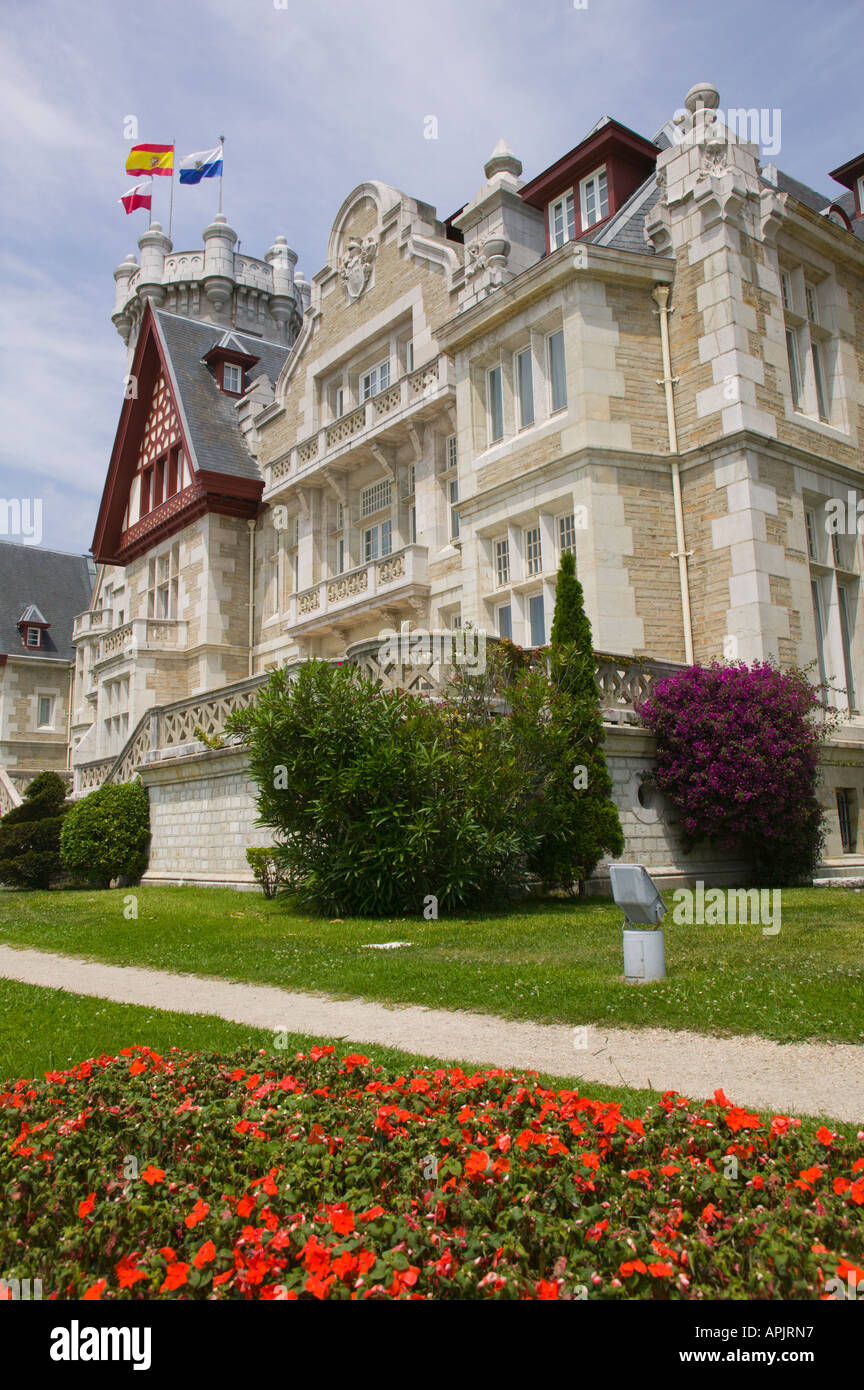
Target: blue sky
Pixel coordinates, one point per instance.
(314, 98)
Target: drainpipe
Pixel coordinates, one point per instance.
(69, 713)
(251, 525)
(660, 296)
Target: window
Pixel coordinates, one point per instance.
(794, 367)
(409, 357)
(375, 497)
(232, 378)
(594, 198)
(340, 555)
(557, 373)
(562, 221)
(525, 387)
(786, 289)
(844, 605)
(811, 535)
(861, 196)
(451, 453)
(504, 616)
(34, 636)
(846, 809)
(375, 380)
(567, 534)
(453, 497)
(412, 524)
(536, 620)
(533, 555)
(46, 711)
(819, 624)
(819, 380)
(495, 402)
(502, 562)
(339, 402)
(377, 541)
(810, 299)
(162, 584)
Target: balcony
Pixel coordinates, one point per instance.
(394, 581)
(387, 417)
(95, 620)
(142, 635)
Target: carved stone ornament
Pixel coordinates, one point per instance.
(355, 266)
(714, 165)
(476, 259)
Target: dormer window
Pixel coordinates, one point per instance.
(562, 221)
(594, 198)
(861, 196)
(32, 625)
(232, 378)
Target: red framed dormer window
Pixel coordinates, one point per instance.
(32, 626)
(593, 198)
(232, 378)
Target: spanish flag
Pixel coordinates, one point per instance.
(151, 159)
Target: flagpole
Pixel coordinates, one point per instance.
(171, 203)
(222, 151)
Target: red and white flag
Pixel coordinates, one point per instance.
(140, 196)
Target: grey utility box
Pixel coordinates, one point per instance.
(636, 894)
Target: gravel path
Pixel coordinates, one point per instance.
(824, 1079)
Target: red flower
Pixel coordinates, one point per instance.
(206, 1255)
(660, 1270)
(632, 1267)
(341, 1218)
(824, 1136)
(372, 1214)
(94, 1293)
(127, 1271)
(709, 1213)
(245, 1206)
(476, 1163)
(175, 1277)
(151, 1175)
(198, 1212)
(546, 1289)
(85, 1207)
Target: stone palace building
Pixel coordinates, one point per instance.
(650, 353)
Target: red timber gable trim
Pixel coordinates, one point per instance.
(152, 453)
(628, 159)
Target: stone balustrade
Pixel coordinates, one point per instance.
(384, 577)
(402, 399)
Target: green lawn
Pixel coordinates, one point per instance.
(549, 961)
(50, 1029)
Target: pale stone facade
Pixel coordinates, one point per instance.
(651, 354)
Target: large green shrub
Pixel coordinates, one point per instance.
(381, 801)
(30, 834)
(106, 835)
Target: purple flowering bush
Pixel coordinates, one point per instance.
(738, 755)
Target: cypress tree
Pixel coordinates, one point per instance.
(582, 821)
(30, 834)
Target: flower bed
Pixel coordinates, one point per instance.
(196, 1176)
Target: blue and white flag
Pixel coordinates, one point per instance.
(206, 164)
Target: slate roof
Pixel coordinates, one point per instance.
(55, 583)
(208, 415)
(818, 202)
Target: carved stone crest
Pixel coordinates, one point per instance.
(476, 260)
(355, 266)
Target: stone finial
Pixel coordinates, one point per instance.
(703, 96)
(502, 161)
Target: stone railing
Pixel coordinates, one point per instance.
(9, 794)
(89, 776)
(168, 730)
(410, 393)
(143, 634)
(383, 577)
(94, 620)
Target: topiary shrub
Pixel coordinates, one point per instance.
(738, 756)
(106, 835)
(30, 834)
